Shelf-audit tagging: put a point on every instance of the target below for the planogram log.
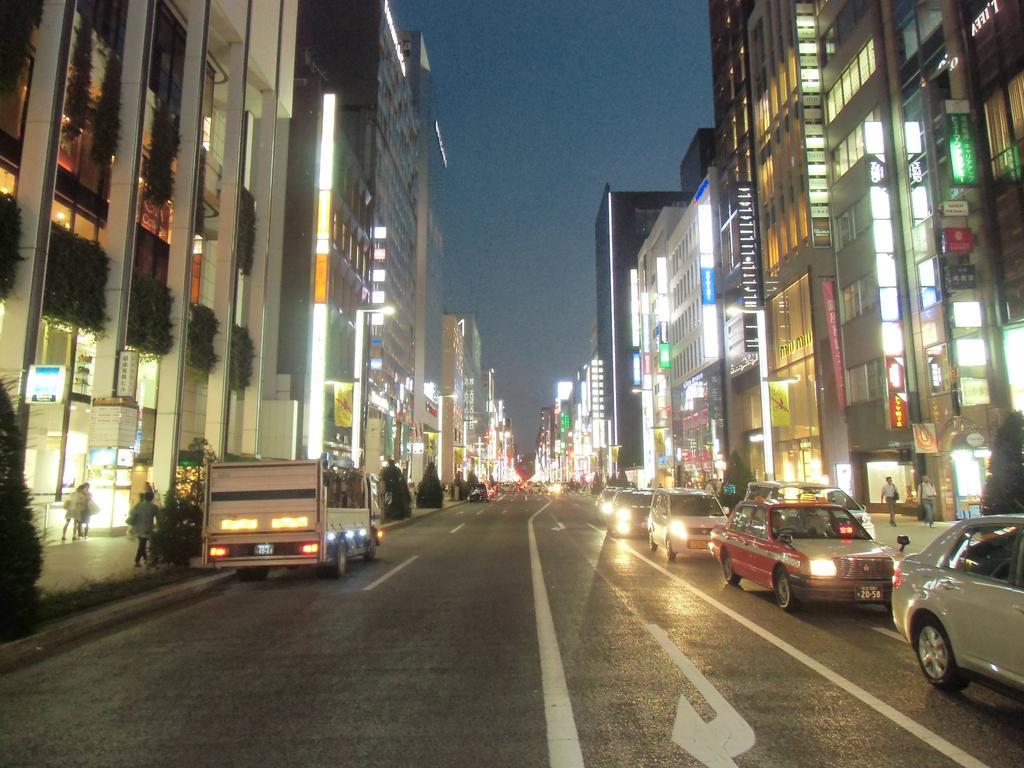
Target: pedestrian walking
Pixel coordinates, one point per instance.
(926, 493)
(140, 520)
(75, 507)
(890, 496)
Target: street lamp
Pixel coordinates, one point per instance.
(358, 376)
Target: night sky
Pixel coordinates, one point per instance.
(540, 103)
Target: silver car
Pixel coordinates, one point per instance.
(960, 603)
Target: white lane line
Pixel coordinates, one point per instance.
(559, 527)
(461, 525)
(596, 528)
(478, 513)
(563, 739)
(716, 742)
(388, 575)
(930, 738)
(891, 634)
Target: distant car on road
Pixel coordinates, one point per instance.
(630, 512)
(800, 491)
(478, 492)
(603, 506)
(960, 603)
(804, 550)
(681, 521)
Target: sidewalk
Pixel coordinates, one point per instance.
(918, 531)
(69, 564)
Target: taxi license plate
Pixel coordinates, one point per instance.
(697, 544)
(868, 592)
(264, 549)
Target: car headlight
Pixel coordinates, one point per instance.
(678, 528)
(606, 507)
(821, 567)
(622, 528)
(623, 515)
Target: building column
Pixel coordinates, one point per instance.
(37, 175)
(263, 182)
(218, 395)
(179, 270)
(122, 219)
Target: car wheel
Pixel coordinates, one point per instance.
(783, 589)
(371, 550)
(668, 549)
(935, 655)
(731, 577)
(340, 562)
(650, 541)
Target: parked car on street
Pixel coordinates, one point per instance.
(960, 603)
(804, 550)
(800, 491)
(681, 521)
(478, 492)
(630, 511)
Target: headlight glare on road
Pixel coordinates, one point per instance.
(678, 528)
(623, 514)
(622, 528)
(821, 567)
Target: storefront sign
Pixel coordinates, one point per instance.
(974, 391)
(113, 425)
(963, 161)
(343, 403)
(955, 208)
(959, 277)
(778, 395)
(127, 373)
(750, 249)
(828, 290)
(707, 286)
(988, 12)
(45, 384)
(899, 413)
(792, 346)
(924, 438)
(957, 240)
(895, 373)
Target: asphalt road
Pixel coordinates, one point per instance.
(470, 642)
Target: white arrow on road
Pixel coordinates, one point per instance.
(715, 743)
(559, 527)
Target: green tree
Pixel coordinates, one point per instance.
(1004, 491)
(76, 281)
(243, 354)
(246, 240)
(17, 17)
(149, 316)
(106, 129)
(76, 100)
(737, 473)
(430, 494)
(178, 535)
(202, 327)
(158, 171)
(21, 554)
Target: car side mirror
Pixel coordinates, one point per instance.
(785, 538)
(903, 541)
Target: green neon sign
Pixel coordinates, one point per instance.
(664, 355)
(962, 159)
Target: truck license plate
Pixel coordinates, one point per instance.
(696, 544)
(264, 549)
(868, 592)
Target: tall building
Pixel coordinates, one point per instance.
(140, 318)
(451, 410)
(624, 221)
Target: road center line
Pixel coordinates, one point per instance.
(388, 575)
(930, 738)
(460, 525)
(563, 739)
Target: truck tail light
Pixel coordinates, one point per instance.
(218, 551)
(310, 549)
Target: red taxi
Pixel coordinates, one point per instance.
(803, 550)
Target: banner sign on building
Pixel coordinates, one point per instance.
(924, 438)
(749, 249)
(45, 384)
(957, 240)
(778, 394)
(343, 403)
(899, 412)
(959, 277)
(963, 162)
(828, 290)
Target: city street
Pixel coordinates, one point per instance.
(511, 633)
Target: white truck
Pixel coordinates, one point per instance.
(270, 514)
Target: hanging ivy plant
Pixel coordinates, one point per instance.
(10, 236)
(158, 173)
(149, 316)
(76, 99)
(17, 17)
(202, 328)
(243, 353)
(246, 238)
(76, 281)
(106, 129)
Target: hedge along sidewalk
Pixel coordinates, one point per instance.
(21, 652)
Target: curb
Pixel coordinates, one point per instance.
(414, 518)
(25, 651)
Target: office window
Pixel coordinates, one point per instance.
(1004, 155)
(851, 80)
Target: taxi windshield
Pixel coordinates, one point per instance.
(816, 523)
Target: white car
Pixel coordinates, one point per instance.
(960, 603)
(681, 521)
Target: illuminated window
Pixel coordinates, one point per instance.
(851, 80)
